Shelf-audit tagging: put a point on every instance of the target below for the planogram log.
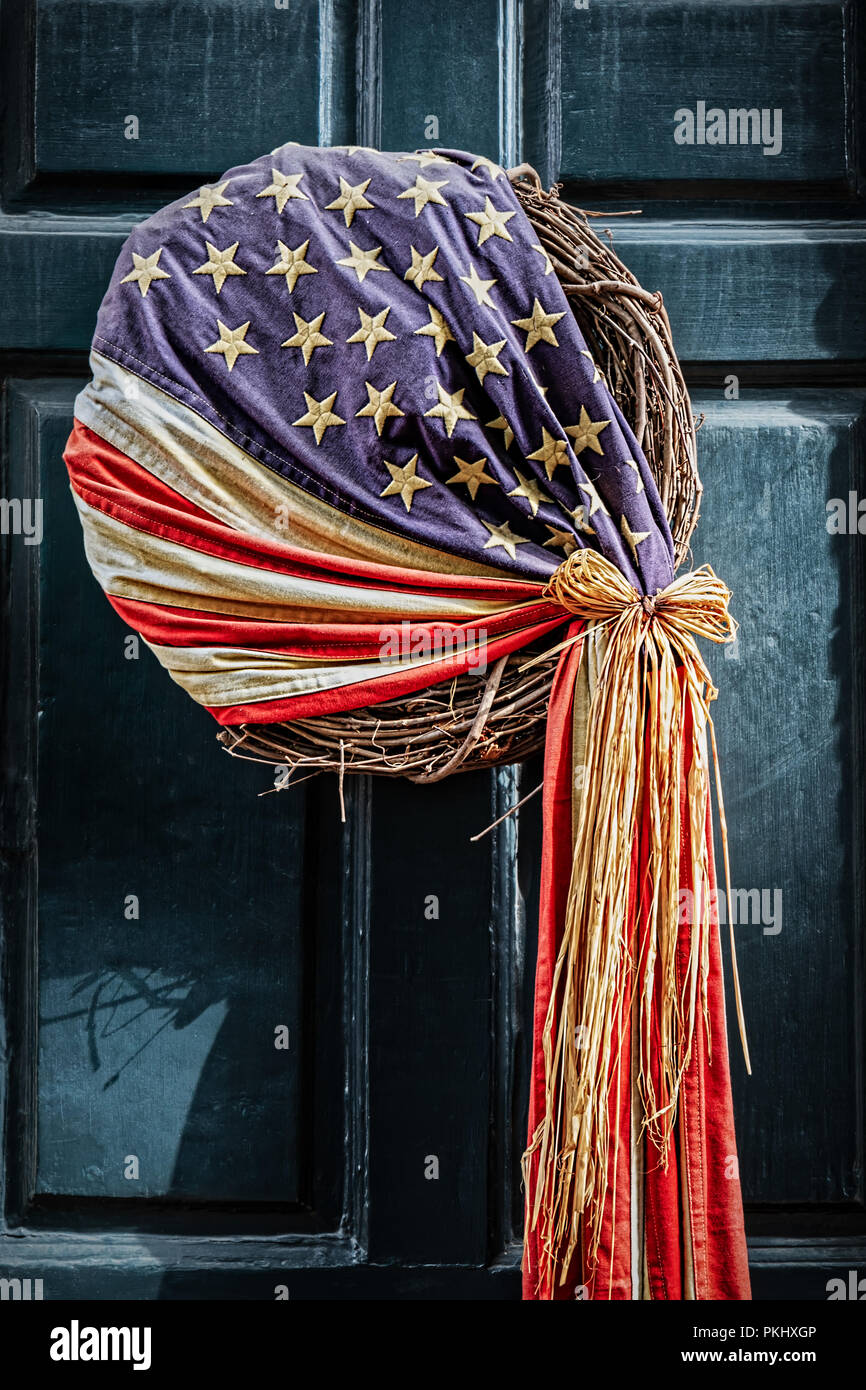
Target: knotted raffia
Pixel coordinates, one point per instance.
(636, 746)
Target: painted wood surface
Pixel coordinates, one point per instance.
(409, 1033)
(792, 291)
(790, 729)
(655, 61)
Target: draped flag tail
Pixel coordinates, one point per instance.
(617, 969)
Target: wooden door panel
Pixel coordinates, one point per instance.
(651, 60)
(54, 277)
(753, 291)
(430, 1020)
(171, 901)
(606, 86)
(207, 83)
(439, 68)
(790, 726)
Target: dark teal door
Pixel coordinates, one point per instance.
(245, 1056)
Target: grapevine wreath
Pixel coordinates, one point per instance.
(343, 391)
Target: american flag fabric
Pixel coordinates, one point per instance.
(342, 389)
(362, 358)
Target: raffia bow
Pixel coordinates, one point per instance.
(651, 699)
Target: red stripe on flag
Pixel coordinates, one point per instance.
(557, 858)
(189, 627)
